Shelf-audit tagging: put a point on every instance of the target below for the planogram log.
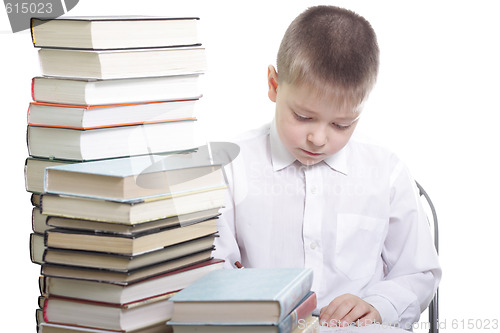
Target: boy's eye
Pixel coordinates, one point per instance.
(301, 118)
(341, 127)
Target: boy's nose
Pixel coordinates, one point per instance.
(317, 137)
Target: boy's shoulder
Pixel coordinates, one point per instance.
(253, 134)
(366, 149)
(253, 140)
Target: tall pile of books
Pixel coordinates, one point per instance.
(125, 202)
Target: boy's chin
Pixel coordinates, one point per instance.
(309, 161)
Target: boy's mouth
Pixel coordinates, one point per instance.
(311, 153)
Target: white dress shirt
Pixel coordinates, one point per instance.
(354, 218)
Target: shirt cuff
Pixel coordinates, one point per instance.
(385, 308)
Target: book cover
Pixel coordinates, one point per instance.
(121, 64)
(119, 262)
(114, 32)
(80, 91)
(130, 212)
(247, 295)
(125, 229)
(135, 177)
(84, 117)
(111, 142)
(62, 328)
(107, 316)
(294, 321)
(128, 244)
(139, 274)
(126, 292)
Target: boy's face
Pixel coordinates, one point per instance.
(312, 127)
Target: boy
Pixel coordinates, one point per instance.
(304, 193)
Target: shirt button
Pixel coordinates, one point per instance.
(313, 245)
(314, 189)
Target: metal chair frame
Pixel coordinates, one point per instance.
(433, 308)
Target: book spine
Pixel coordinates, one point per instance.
(33, 89)
(304, 309)
(32, 26)
(42, 284)
(295, 292)
(45, 304)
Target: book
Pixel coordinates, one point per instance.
(85, 117)
(117, 262)
(60, 328)
(36, 199)
(126, 292)
(109, 316)
(81, 91)
(128, 244)
(125, 229)
(104, 143)
(114, 32)
(242, 296)
(133, 211)
(135, 177)
(34, 172)
(138, 274)
(39, 221)
(121, 64)
(37, 245)
(295, 321)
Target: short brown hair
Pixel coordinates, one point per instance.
(327, 47)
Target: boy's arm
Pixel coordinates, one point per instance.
(412, 267)
(226, 246)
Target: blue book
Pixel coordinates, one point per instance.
(263, 296)
(299, 320)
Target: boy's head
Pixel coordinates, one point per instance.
(327, 65)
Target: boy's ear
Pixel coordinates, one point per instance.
(272, 81)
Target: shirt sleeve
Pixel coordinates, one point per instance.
(226, 246)
(411, 262)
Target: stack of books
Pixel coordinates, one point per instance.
(125, 204)
(277, 300)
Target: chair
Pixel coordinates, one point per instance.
(433, 308)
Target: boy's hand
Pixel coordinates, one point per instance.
(348, 309)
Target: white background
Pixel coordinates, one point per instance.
(435, 105)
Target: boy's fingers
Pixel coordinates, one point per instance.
(332, 314)
(358, 311)
(346, 310)
(344, 314)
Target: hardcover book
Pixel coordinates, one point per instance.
(114, 32)
(80, 91)
(118, 262)
(61, 328)
(134, 211)
(111, 142)
(126, 292)
(84, 117)
(122, 64)
(299, 320)
(122, 228)
(125, 317)
(104, 275)
(128, 245)
(242, 296)
(136, 177)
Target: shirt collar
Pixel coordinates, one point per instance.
(282, 158)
